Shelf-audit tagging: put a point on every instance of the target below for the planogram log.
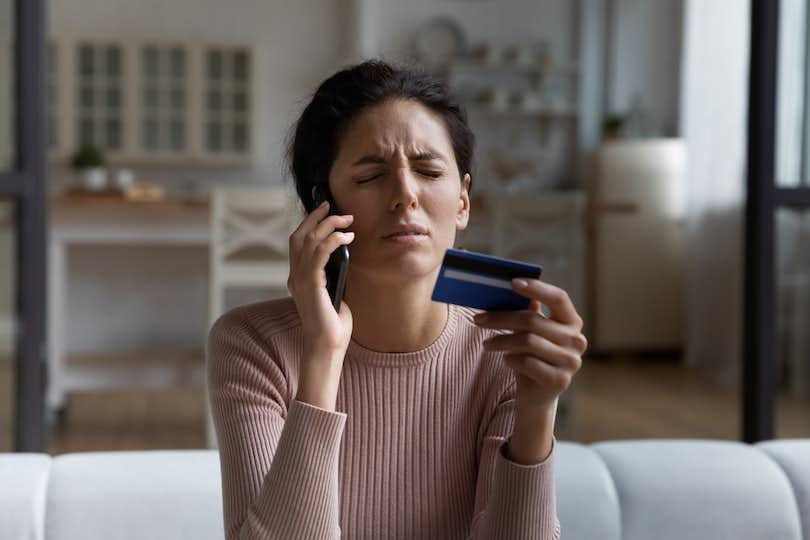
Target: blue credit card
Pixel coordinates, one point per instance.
(482, 281)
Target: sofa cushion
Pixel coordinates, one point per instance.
(587, 503)
(24, 481)
(700, 490)
(793, 456)
(154, 495)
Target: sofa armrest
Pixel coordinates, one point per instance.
(24, 481)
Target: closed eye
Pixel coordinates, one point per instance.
(368, 179)
(430, 174)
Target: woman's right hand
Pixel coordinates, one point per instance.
(325, 331)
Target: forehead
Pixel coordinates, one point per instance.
(391, 126)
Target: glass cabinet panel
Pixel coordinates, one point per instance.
(227, 100)
(163, 98)
(100, 96)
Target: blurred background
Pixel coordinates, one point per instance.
(611, 149)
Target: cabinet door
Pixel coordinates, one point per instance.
(163, 99)
(100, 95)
(227, 103)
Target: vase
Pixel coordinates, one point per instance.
(94, 178)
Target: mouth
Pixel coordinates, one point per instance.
(406, 229)
(407, 239)
(404, 234)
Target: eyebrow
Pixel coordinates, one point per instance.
(377, 159)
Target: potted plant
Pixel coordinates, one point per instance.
(612, 126)
(89, 162)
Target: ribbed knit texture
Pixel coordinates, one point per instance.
(415, 449)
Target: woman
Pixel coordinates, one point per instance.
(396, 416)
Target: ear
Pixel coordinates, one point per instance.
(463, 213)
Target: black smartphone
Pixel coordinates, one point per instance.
(338, 265)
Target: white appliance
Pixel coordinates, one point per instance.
(637, 194)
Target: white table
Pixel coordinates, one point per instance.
(115, 222)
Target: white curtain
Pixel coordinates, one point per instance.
(714, 106)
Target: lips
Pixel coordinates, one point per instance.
(407, 229)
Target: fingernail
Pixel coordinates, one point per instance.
(324, 203)
(521, 283)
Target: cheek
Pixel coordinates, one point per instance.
(444, 224)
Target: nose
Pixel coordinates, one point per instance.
(404, 188)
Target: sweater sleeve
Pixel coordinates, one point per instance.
(512, 501)
(279, 465)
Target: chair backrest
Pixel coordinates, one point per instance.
(250, 229)
(250, 217)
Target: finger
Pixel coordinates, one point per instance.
(325, 248)
(326, 227)
(307, 224)
(557, 300)
(538, 346)
(311, 233)
(542, 373)
(528, 320)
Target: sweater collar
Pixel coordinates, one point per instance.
(359, 353)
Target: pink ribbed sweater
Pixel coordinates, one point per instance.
(413, 451)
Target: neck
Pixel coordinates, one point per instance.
(394, 316)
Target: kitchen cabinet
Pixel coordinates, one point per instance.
(146, 101)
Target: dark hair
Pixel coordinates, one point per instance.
(343, 96)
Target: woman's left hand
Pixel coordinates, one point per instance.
(544, 352)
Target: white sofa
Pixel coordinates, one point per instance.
(656, 489)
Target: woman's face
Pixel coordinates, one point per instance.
(395, 166)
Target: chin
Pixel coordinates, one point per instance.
(406, 266)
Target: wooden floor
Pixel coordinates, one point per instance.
(609, 400)
(131, 420)
(623, 399)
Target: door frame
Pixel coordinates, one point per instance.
(763, 199)
(25, 185)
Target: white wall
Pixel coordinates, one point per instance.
(714, 115)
